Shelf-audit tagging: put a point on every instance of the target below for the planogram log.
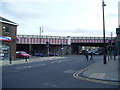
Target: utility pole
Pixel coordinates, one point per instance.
(104, 55)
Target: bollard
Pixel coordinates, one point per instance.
(26, 59)
(10, 60)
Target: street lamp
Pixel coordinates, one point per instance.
(41, 31)
(111, 46)
(104, 55)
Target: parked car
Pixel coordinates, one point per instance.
(98, 53)
(22, 54)
(53, 54)
(83, 52)
(38, 54)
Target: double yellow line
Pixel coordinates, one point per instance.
(77, 75)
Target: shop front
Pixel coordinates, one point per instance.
(8, 33)
(4, 48)
(4, 52)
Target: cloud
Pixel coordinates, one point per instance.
(58, 1)
(61, 17)
(24, 10)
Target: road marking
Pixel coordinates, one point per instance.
(77, 75)
(42, 64)
(29, 66)
(49, 84)
(70, 71)
(52, 62)
(25, 67)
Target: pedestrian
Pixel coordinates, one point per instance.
(67, 53)
(114, 54)
(108, 54)
(86, 55)
(91, 56)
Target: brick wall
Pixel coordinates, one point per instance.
(12, 43)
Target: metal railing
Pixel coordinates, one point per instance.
(61, 37)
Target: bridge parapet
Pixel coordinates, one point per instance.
(57, 40)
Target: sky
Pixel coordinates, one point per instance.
(62, 17)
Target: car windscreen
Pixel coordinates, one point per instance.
(23, 52)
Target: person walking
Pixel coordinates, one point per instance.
(108, 54)
(91, 56)
(114, 54)
(86, 55)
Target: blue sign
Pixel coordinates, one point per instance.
(4, 38)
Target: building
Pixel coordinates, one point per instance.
(118, 32)
(8, 32)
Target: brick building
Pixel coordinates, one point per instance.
(8, 31)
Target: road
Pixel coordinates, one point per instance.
(50, 74)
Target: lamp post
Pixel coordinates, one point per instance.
(104, 55)
(41, 31)
(111, 46)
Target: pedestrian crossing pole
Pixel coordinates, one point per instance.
(10, 58)
(47, 45)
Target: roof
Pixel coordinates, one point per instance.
(7, 21)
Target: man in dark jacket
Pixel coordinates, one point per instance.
(91, 56)
(86, 55)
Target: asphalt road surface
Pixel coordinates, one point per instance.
(50, 74)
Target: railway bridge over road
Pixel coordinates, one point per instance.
(36, 43)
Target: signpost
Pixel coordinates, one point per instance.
(62, 49)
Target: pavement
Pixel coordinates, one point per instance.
(108, 73)
(30, 60)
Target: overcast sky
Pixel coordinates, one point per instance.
(61, 17)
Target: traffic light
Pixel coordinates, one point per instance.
(109, 43)
(61, 46)
(117, 31)
(47, 44)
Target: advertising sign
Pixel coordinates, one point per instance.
(4, 38)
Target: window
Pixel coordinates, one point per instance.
(7, 29)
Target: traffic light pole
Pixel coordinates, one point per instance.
(47, 45)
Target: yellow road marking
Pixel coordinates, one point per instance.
(76, 75)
